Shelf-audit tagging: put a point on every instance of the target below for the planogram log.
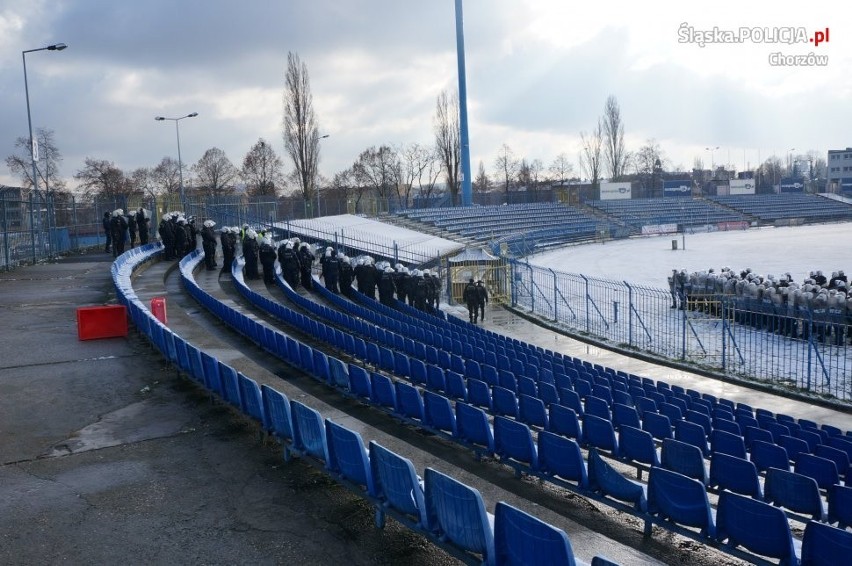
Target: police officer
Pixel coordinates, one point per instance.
(267, 256)
(306, 262)
(470, 296)
(107, 231)
(482, 298)
(208, 244)
(250, 254)
(167, 236)
(228, 240)
(330, 269)
(346, 275)
(142, 223)
(386, 286)
(400, 280)
(118, 227)
(131, 228)
(289, 263)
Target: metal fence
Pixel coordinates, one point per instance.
(712, 335)
(36, 226)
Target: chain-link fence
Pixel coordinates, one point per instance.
(805, 349)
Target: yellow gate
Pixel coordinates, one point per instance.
(479, 265)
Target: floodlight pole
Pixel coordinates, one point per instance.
(464, 138)
(180, 161)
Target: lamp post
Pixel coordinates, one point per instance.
(712, 163)
(180, 161)
(790, 172)
(318, 191)
(33, 143)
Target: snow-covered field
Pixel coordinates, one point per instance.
(649, 260)
(375, 236)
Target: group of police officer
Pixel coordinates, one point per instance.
(475, 296)
(121, 227)
(178, 234)
(819, 307)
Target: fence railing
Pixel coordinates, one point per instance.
(803, 350)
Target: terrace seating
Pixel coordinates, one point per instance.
(757, 526)
(772, 208)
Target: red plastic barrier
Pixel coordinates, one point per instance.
(158, 309)
(101, 322)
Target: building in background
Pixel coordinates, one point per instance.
(839, 166)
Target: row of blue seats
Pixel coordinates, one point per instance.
(773, 207)
(445, 510)
(427, 214)
(435, 412)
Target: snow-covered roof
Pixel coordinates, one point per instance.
(473, 254)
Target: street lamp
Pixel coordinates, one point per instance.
(318, 192)
(790, 161)
(33, 143)
(712, 163)
(180, 161)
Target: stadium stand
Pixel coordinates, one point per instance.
(769, 209)
(302, 431)
(655, 211)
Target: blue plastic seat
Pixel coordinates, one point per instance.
(504, 402)
(563, 421)
(560, 456)
(473, 426)
(597, 407)
(439, 413)
(692, 433)
(624, 415)
(513, 531)
(766, 455)
(472, 369)
(778, 430)
(417, 371)
(734, 474)
(456, 387)
(684, 459)
(751, 434)
(531, 411)
(489, 375)
(727, 426)
(456, 514)
(397, 488)
(701, 419)
(570, 398)
(840, 505)
(599, 433)
(230, 385)
(793, 491)
(825, 545)
(409, 403)
(527, 386)
(402, 364)
(673, 412)
(812, 438)
(347, 456)
(382, 391)
(822, 470)
(757, 526)
(435, 379)
(251, 398)
(479, 394)
(839, 457)
(793, 446)
(643, 405)
(308, 431)
(637, 445)
(359, 382)
(276, 407)
(547, 392)
(606, 480)
(658, 425)
(722, 442)
(680, 499)
(513, 441)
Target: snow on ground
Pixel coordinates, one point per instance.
(370, 231)
(649, 260)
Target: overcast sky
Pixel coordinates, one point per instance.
(538, 71)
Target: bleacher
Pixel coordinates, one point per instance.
(505, 222)
(768, 209)
(655, 211)
(532, 409)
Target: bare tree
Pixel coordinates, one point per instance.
(378, 169)
(215, 172)
(536, 170)
(262, 170)
(103, 179)
(301, 131)
(561, 169)
(590, 154)
(506, 167)
(615, 154)
(419, 165)
(447, 139)
(480, 184)
(142, 181)
(47, 166)
(648, 163)
(166, 176)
